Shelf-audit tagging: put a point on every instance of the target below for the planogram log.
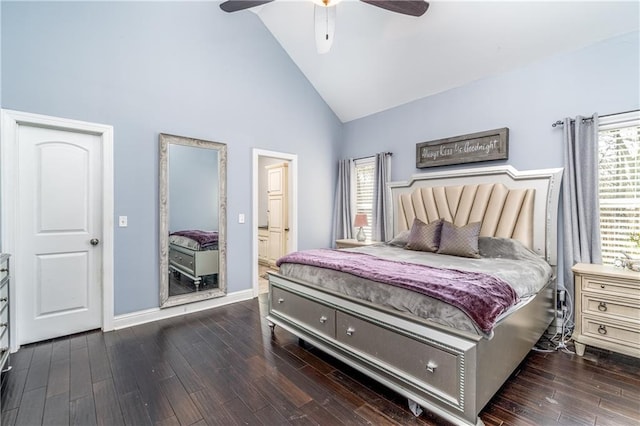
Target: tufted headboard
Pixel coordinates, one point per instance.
(509, 203)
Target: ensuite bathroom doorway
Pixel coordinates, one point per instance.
(274, 212)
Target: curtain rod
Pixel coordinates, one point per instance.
(369, 156)
(561, 123)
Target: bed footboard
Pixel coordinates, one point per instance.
(452, 374)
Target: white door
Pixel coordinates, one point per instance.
(276, 227)
(59, 226)
(277, 178)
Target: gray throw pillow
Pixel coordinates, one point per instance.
(401, 239)
(424, 236)
(460, 241)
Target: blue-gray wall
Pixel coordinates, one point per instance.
(184, 68)
(602, 78)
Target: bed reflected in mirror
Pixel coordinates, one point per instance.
(192, 220)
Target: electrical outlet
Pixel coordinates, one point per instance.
(122, 221)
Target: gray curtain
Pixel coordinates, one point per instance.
(342, 217)
(581, 207)
(379, 221)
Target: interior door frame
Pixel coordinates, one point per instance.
(9, 123)
(292, 201)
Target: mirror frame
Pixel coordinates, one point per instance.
(221, 290)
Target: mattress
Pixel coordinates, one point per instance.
(526, 272)
(195, 239)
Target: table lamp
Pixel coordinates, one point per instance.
(359, 222)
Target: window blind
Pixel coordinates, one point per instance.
(364, 171)
(619, 187)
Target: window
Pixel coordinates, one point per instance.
(619, 187)
(365, 175)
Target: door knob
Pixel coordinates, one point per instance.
(94, 241)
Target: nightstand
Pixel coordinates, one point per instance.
(607, 308)
(352, 242)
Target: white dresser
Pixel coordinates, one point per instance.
(607, 302)
(4, 319)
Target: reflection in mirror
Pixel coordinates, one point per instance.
(192, 220)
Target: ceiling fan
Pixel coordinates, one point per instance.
(325, 14)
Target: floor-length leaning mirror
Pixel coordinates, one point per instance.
(192, 219)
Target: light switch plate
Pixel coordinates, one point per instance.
(241, 218)
(122, 221)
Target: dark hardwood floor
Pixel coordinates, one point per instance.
(223, 367)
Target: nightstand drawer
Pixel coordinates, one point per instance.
(615, 333)
(4, 268)
(610, 286)
(4, 326)
(607, 313)
(4, 296)
(602, 305)
(4, 349)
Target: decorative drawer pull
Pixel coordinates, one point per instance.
(431, 366)
(4, 270)
(3, 350)
(281, 300)
(4, 324)
(601, 285)
(602, 329)
(323, 319)
(602, 307)
(4, 299)
(350, 331)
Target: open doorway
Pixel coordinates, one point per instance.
(274, 212)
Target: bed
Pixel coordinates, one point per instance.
(435, 360)
(194, 254)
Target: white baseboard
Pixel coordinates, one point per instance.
(155, 314)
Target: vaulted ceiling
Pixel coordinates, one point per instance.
(380, 59)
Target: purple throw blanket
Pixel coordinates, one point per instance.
(203, 238)
(482, 297)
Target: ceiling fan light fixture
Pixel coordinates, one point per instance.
(325, 27)
(325, 14)
(326, 3)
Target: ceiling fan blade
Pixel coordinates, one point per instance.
(406, 7)
(236, 5)
(325, 27)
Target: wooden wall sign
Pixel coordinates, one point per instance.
(482, 146)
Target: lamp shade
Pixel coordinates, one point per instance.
(361, 220)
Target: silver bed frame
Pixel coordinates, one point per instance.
(446, 371)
